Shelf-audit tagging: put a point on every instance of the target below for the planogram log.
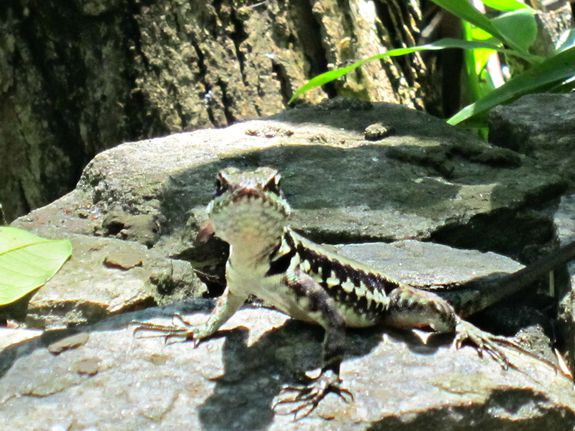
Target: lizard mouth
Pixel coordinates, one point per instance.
(248, 193)
(247, 197)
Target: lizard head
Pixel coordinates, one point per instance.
(248, 206)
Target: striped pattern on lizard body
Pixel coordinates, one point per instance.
(360, 293)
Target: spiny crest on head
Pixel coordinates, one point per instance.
(264, 178)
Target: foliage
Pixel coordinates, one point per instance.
(512, 33)
(27, 262)
(556, 69)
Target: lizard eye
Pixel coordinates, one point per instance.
(274, 185)
(221, 186)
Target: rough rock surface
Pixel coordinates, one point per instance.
(230, 381)
(420, 182)
(9, 337)
(417, 179)
(109, 380)
(541, 126)
(108, 276)
(421, 179)
(564, 219)
(422, 263)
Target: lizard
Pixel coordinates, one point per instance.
(305, 280)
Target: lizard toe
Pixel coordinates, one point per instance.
(301, 400)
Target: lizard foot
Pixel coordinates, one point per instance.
(303, 399)
(180, 332)
(484, 342)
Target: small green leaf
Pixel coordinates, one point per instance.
(505, 5)
(518, 28)
(552, 70)
(27, 262)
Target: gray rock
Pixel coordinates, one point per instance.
(423, 179)
(13, 336)
(420, 182)
(541, 126)
(423, 263)
(434, 265)
(117, 382)
(107, 276)
(564, 219)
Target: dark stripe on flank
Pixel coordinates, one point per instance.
(323, 265)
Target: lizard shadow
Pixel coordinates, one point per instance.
(255, 374)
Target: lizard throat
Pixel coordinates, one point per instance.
(252, 225)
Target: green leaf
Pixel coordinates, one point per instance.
(27, 262)
(505, 5)
(464, 10)
(518, 28)
(552, 70)
(447, 43)
(478, 78)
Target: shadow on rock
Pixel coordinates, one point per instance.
(254, 375)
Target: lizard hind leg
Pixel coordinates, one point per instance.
(410, 308)
(301, 400)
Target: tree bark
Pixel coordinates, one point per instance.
(80, 76)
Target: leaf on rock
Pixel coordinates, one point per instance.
(27, 262)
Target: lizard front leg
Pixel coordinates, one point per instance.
(226, 306)
(410, 308)
(322, 309)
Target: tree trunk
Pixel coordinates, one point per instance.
(80, 76)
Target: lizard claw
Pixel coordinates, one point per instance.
(305, 398)
(171, 333)
(483, 342)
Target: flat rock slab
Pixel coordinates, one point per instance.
(344, 183)
(423, 263)
(541, 126)
(409, 176)
(12, 336)
(113, 381)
